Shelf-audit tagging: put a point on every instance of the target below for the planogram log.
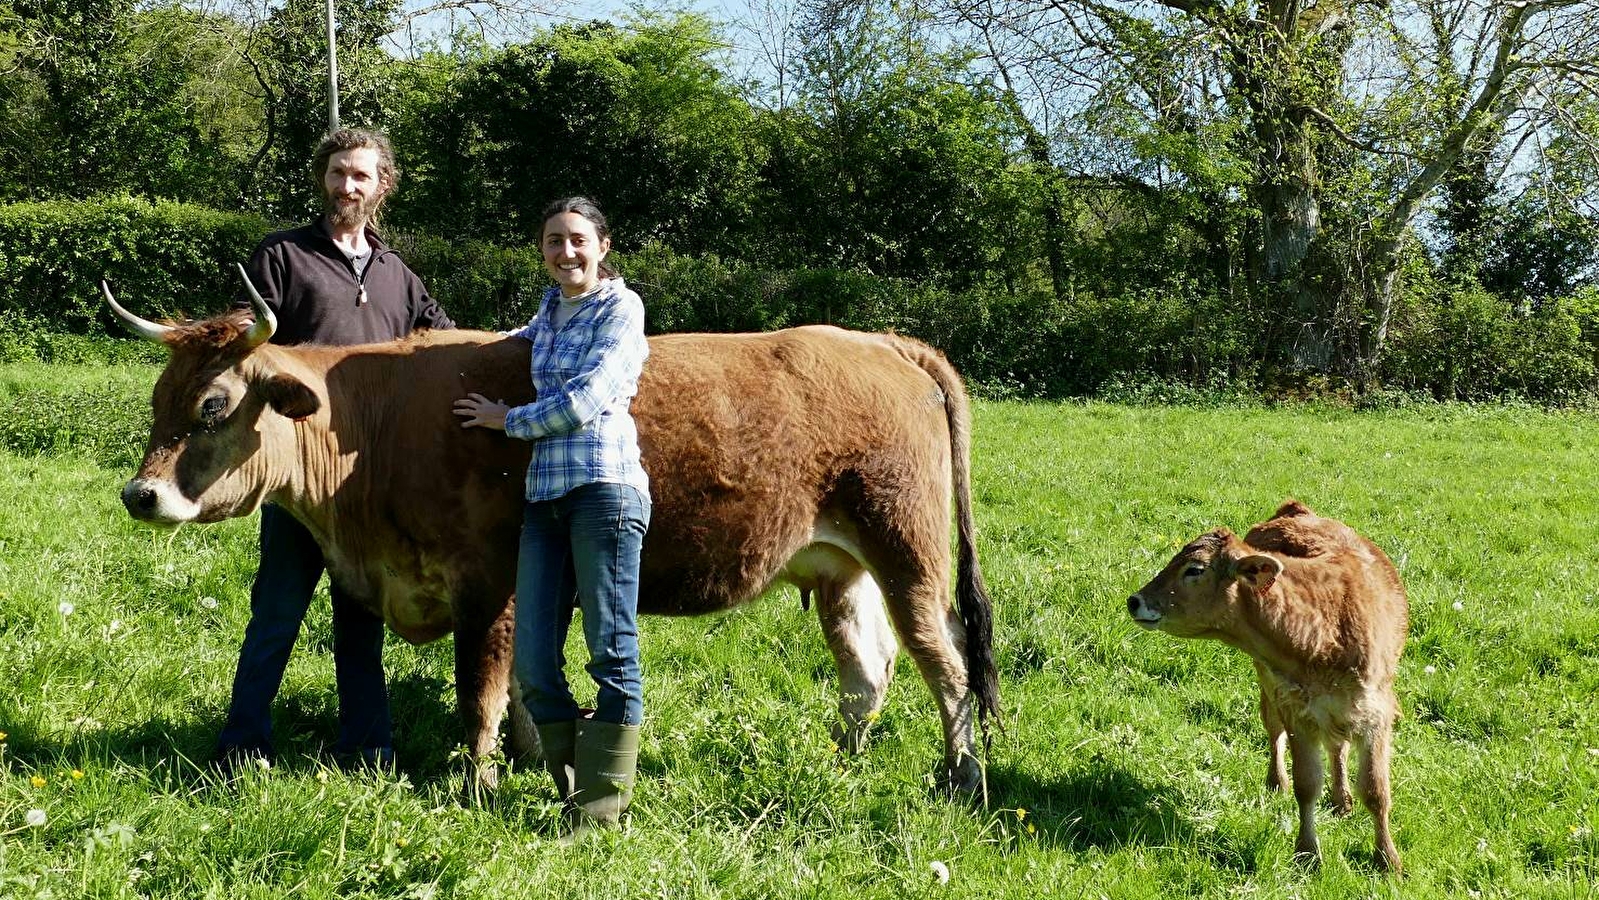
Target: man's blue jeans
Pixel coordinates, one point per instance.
(291, 563)
(584, 543)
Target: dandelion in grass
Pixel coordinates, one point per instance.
(35, 818)
(1021, 813)
(38, 781)
(1430, 670)
(940, 871)
(3, 737)
(402, 843)
(76, 774)
(208, 602)
(65, 608)
(1459, 607)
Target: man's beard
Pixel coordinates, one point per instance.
(351, 215)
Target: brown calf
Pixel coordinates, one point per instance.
(1321, 611)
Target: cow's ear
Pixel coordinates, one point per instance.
(1258, 571)
(290, 396)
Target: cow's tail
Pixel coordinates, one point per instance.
(971, 595)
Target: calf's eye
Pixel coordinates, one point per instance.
(212, 408)
(1193, 571)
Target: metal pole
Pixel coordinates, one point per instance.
(333, 75)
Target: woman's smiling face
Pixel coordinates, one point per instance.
(572, 252)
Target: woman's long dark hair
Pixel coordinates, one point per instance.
(588, 209)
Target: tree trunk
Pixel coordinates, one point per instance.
(1054, 224)
(1285, 194)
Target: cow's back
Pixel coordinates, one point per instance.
(746, 439)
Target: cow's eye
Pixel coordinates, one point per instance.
(212, 409)
(1193, 571)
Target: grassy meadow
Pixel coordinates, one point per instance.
(1131, 765)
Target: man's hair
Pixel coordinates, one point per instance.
(354, 139)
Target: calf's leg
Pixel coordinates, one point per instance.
(1376, 794)
(935, 638)
(1276, 739)
(1306, 751)
(1340, 800)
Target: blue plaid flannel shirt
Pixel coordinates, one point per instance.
(586, 375)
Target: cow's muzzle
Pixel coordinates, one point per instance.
(157, 502)
(1141, 612)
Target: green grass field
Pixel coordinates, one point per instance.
(1131, 766)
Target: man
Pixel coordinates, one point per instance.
(330, 282)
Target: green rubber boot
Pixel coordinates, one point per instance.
(558, 741)
(606, 763)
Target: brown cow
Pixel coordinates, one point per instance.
(1321, 611)
(817, 456)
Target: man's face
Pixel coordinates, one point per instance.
(351, 188)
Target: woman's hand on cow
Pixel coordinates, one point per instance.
(480, 411)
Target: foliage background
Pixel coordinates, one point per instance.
(1064, 197)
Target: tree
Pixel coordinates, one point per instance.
(638, 116)
(1342, 158)
(910, 156)
(96, 101)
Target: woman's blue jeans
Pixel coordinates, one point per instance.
(586, 544)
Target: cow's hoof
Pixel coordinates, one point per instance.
(482, 781)
(851, 738)
(1341, 805)
(964, 778)
(1308, 858)
(1276, 782)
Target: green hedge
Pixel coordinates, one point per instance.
(1465, 343)
(169, 259)
(161, 259)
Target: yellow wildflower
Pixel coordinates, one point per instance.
(37, 781)
(1021, 813)
(77, 774)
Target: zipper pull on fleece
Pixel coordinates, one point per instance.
(361, 300)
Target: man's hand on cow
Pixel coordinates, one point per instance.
(479, 410)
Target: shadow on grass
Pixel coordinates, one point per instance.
(1097, 805)
(427, 729)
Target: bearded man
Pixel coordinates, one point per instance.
(333, 281)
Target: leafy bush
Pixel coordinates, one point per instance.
(162, 259)
(1469, 344)
(28, 339)
(479, 285)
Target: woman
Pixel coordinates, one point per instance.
(588, 506)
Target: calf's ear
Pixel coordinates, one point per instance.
(1258, 571)
(290, 396)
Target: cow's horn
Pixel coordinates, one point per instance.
(150, 331)
(265, 322)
